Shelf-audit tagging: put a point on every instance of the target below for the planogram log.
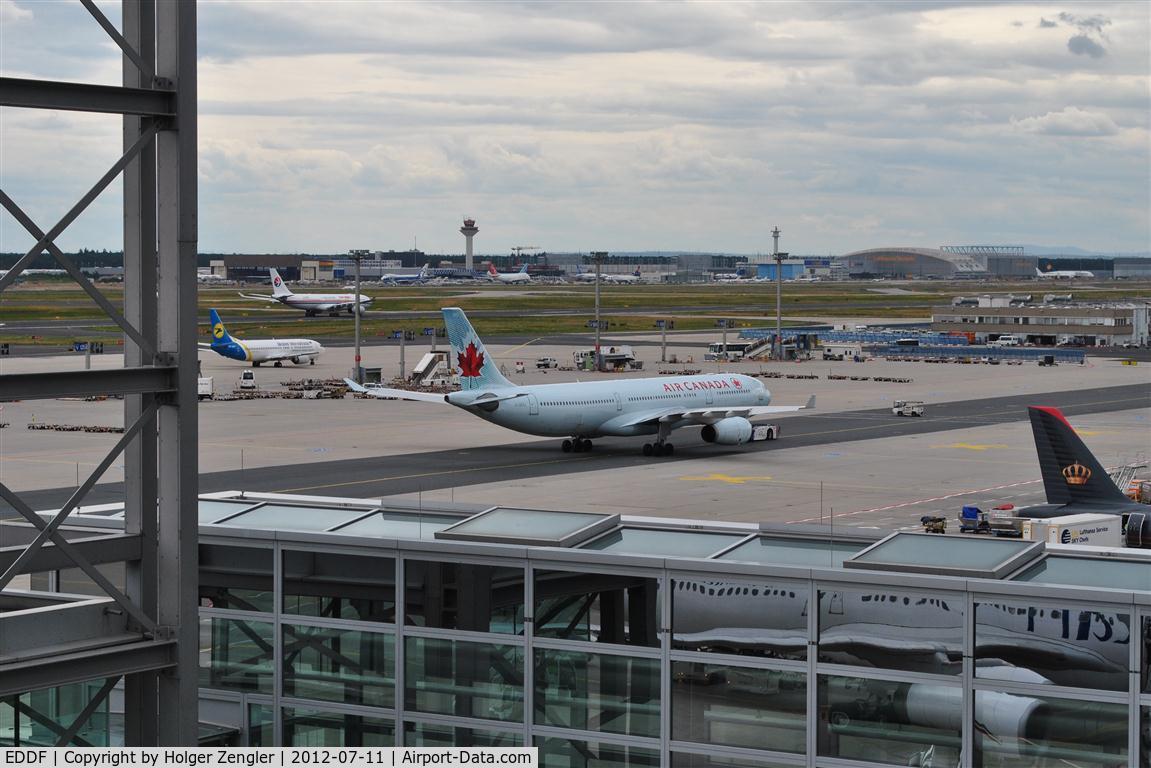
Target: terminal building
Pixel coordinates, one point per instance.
(607, 640)
(1048, 323)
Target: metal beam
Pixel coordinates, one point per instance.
(83, 97)
(117, 381)
(61, 669)
(97, 699)
(117, 548)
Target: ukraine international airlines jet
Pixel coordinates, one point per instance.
(256, 351)
(313, 303)
(579, 411)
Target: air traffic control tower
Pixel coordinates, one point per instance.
(469, 230)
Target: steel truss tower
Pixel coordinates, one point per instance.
(146, 632)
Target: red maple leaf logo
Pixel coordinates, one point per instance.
(736, 382)
(471, 361)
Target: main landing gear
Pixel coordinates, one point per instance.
(578, 445)
(658, 449)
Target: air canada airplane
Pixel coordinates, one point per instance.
(256, 351)
(312, 303)
(720, 403)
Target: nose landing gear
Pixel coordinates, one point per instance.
(578, 445)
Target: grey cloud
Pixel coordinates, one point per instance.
(1082, 45)
(1086, 23)
(1046, 23)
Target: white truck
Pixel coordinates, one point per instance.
(204, 388)
(615, 357)
(764, 432)
(1099, 530)
(907, 408)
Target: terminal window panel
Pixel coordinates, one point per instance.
(597, 692)
(732, 706)
(38, 718)
(891, 629)
(317, 728)
(765, 619)
(570, 753)
(261, 722)
(884, 721)
(236, 654)
(339, 586)
(689, 760)
(341, 665)
(464, 679)
(597, 607)
(1145, 655)
(1068, 644)
(418, 734)
(478, 598)
(236, 578)
(1025, 731)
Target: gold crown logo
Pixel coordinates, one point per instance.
(1076, 474)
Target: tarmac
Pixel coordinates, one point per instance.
(850, 460)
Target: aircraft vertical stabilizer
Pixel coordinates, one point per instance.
(1071, 474)
(472, 362)
(278, 287)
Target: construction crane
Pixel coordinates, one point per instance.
(519, 249)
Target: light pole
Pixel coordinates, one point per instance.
(358, 372)
(778, 292)
(598, 256)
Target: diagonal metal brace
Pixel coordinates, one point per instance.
(102, 301)
(50, 529)
(144, 140)
(82, 718)
(81, 562)
(144, 67)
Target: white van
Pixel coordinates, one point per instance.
(1007, 340)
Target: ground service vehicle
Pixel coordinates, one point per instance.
(907, 408)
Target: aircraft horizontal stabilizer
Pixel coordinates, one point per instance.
(259, 296)
(397, 394)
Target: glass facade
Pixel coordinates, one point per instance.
(316, 728)
(656, 666)
(236, 654)
(338, 586)
(741, 617)
(596, 607)
(889, 722)
(738, 706)
(342, 665)
(597, 692)
(41, 718)
(1068, 644)
(568, 753)
(1045, 732)
(439, 735)
(480, 598)
(890, 628)
(463, 678)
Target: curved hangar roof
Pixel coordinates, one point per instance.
(900, 259)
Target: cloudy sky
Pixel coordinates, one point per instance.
(622, 125)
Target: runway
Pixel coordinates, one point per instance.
(511, 462)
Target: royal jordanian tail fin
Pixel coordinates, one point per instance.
(278, 287)
(219, 332)
(473, 364)
(1071, 474)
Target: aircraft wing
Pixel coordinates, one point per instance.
(260, 297)
(397, 394)
(712, 415)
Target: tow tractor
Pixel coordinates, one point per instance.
(907, 407)
(764, 432)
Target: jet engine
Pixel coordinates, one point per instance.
(734, 430)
